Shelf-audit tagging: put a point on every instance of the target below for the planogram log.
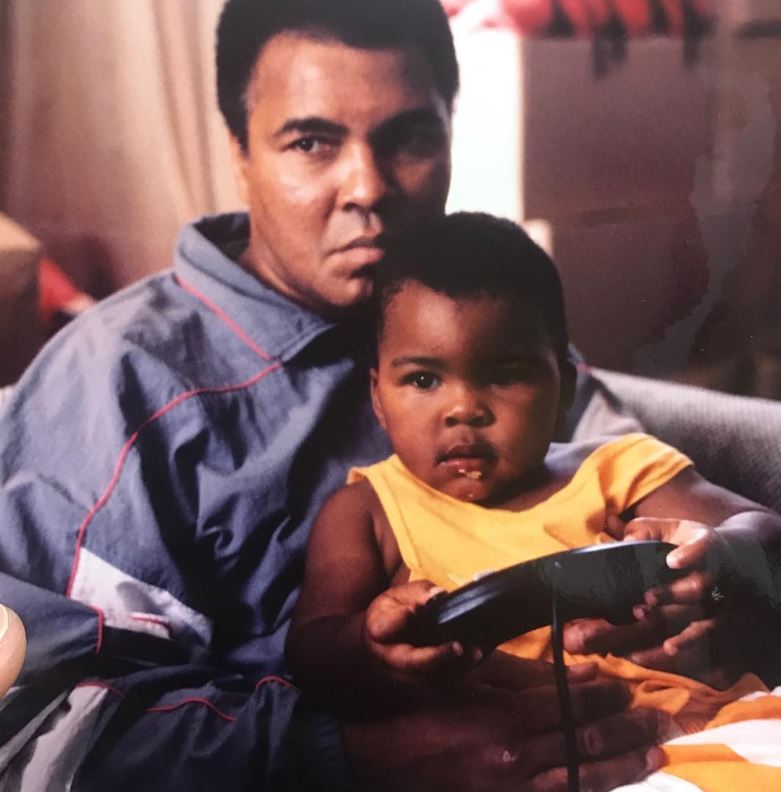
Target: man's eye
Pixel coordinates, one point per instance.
(416, 142)
(311, 145)
(421, 141)
(422, 380)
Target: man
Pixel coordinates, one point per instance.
(162, 459)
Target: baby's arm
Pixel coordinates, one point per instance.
(347, 634)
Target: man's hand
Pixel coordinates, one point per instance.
(385, 626)
(506, 735)
(680, 626)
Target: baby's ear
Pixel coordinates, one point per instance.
(376, 404)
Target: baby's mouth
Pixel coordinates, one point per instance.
(470, 460)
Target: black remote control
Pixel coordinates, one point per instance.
(601, 581)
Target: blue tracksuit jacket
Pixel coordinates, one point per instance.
(160, 465)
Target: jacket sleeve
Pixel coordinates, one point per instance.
(119, 724)
(122, 705)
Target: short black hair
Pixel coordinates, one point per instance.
(469, 254)
(245, 26)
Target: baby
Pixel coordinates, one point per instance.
(471, 379)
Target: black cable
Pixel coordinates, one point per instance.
(562, 690)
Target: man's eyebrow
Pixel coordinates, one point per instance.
(311, 125)
(416, 360)
(423, 116)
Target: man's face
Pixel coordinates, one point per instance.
(468, 390)
(345, 147)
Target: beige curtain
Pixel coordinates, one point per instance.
(110, 135)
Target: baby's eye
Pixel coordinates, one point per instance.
(422, 380)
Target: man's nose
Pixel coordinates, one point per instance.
(466, 407)
(365, 184)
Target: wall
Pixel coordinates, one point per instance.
(652, 185)
(655, 186)
(111, 135)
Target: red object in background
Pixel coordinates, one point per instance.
(529, 17)
(638, 18)
(705, 10)
(586, 16)
(57, 295)
(673, 10)
(635, 15)
(688, 17)
(453, 7)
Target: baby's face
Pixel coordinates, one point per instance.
(468, 391)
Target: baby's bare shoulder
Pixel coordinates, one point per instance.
(356, 503)
(357, 509)
(357, 495)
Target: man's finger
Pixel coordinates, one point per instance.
(601, 776)
(503, 670)
(694, 659)
(671, 619)
(587, 636)
(695, 632)
(590, 700)
(695, 587)
(611, 736)
(695, 548)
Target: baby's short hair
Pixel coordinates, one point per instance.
(468, 254)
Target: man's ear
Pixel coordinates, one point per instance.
(240, 165)
(376, 405)
(567, 390)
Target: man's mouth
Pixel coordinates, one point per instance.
(363, 251)
(367, 241)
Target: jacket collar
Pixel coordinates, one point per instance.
(276, 324)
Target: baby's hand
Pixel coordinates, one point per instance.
(385, 625)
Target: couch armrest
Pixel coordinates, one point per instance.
(735, 441)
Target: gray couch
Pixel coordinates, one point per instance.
(735, 441)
